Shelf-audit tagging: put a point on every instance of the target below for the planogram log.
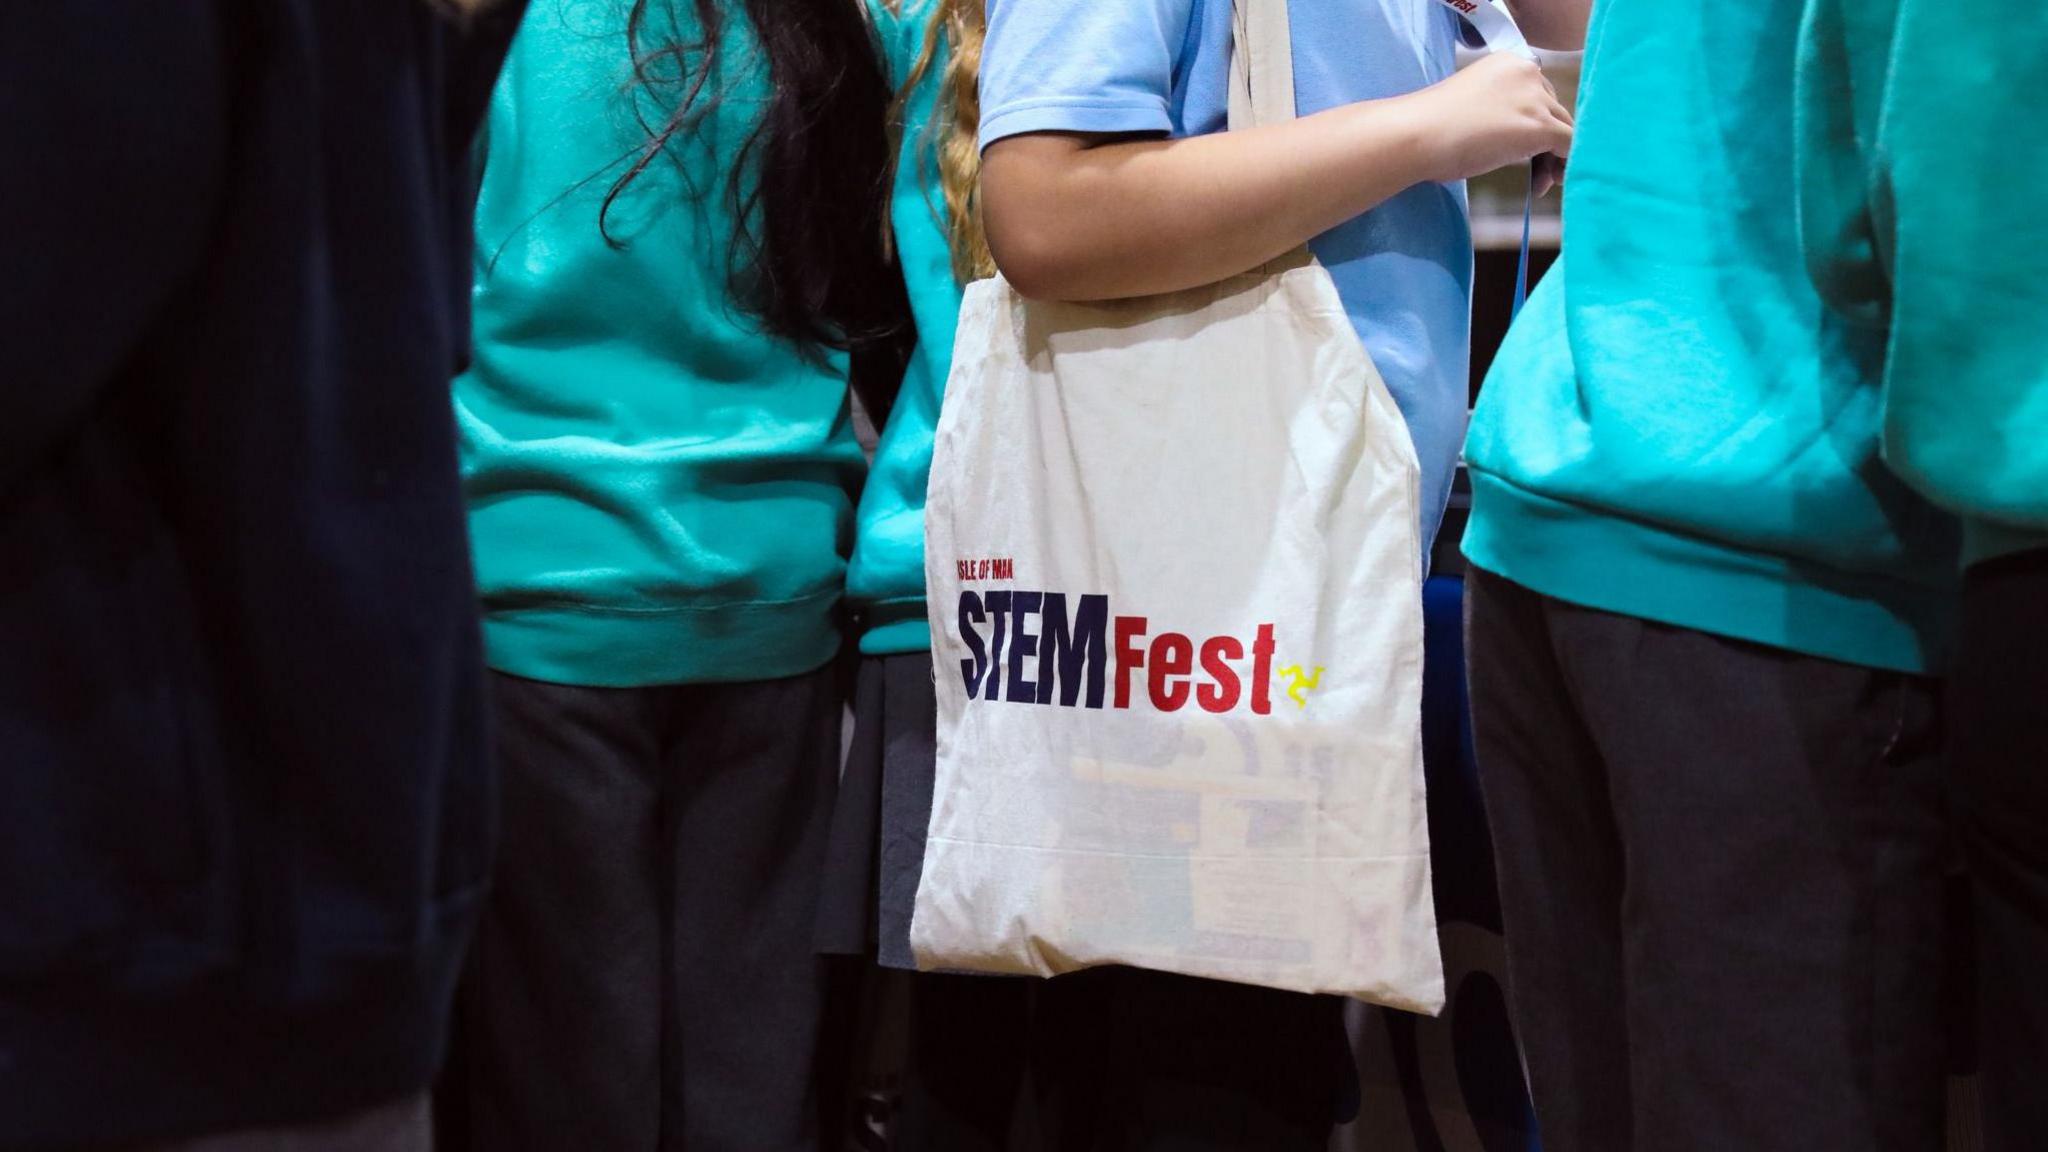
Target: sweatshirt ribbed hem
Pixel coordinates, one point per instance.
(1988, 540)
(1599, 561)
(895, 627)
(596, 647)
(95, 1066)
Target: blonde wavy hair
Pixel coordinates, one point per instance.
(958, 26)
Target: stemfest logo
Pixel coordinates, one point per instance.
(1037, 647)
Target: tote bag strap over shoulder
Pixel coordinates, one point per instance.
(1261, 64)
(1262, 84)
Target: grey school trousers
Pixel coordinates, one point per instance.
(1721, 873)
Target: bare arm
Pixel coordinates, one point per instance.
(1074, 217)
(1082, 218)
(1558, 25)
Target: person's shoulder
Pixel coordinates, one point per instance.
(902, 22)
(1071, 35)
(902, 28)
(1095, 13)
(1091, 66)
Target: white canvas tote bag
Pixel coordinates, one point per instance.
(1175, 586)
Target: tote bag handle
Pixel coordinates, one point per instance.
(1261, 64)
(1262, 86)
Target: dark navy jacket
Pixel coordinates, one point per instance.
(245, 801)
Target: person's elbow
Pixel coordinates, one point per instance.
(1032, 256)
(1040, 250)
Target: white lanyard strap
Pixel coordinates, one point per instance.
(1494, 23)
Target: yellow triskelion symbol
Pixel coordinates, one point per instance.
(1301, 685)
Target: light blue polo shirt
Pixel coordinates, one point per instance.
(1404, 269)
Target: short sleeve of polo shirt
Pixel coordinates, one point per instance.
(1081, 65)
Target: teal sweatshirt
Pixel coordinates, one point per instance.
(1677, 429)
(886, 579)
(659, 491)
(1921, 164)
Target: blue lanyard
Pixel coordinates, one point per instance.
(1522, 265)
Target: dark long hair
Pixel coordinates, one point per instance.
(810, 259)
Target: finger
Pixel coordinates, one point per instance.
(1560, 141)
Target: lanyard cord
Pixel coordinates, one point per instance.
(1522, 265)
(1496, 25)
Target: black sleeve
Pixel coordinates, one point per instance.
(478, 52)
(113, 150)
